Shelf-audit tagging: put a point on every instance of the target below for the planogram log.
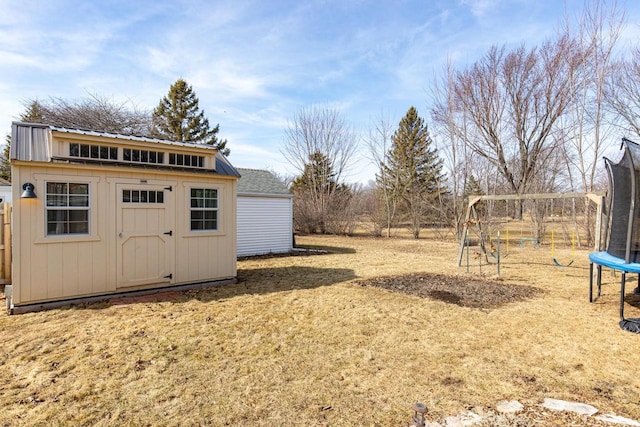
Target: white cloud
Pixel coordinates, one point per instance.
(480, 8)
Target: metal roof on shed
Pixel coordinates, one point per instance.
(256, 181)
(129, 137)
(32, 142)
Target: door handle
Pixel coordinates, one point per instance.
(120, 234)
(169, 233)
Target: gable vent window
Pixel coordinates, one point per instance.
(89, 151)
(186, 160)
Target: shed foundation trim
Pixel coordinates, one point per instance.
(27, 308)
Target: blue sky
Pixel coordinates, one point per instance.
(253, 64)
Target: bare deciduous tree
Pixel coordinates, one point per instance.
(320, 145)
(623, 91)
(509, 104)
(95, 112)
(379, 142)
(586, 127)
(450, 126)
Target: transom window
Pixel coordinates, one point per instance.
(90, 151)
(186, 160)
(142, 156)
(204, 209)
(67, 208)
(142, 196)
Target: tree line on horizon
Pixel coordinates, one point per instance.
(518, 120)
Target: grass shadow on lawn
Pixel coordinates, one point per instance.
(329, 249)
(260, 281)
(250, 282)
(279, 279)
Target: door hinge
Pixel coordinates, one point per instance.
(170, 276)
(170, 188)
(169, 233)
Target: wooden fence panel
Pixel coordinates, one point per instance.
(5, 244)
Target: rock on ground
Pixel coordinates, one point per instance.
(563, 405)
(616, 419)
(509, 406)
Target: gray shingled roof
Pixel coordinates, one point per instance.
(256, 181)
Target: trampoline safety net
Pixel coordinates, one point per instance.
(622, 227)
(624, 204)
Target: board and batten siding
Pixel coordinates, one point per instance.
(131, 243)
(264, 224)
(64, 267)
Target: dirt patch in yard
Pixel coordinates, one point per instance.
(458, 290)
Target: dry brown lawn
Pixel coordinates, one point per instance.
(319, 340)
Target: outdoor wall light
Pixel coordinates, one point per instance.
(28, 191)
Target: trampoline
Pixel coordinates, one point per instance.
(622, 227)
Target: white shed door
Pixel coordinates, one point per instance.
(146, 231)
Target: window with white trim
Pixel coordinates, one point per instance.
(67, 208)
(204, 209)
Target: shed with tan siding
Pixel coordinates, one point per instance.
(116, 213)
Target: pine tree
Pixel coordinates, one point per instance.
(33, 113)
(415, 170)
(5, 163)
(318, 195)
(472, 187)
(179, 118)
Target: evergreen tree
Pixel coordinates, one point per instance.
(415, 171)
(179, 118)
(5, 163)
(319, 198)
(34, 113)
(472, 187)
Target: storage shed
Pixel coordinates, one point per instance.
(265, 214)
(98, 214)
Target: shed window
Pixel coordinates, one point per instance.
(142, 156)
(204, 209)
(142, 196)
(67, 208)
(186, 160)
(88, 151)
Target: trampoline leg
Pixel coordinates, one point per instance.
(590, 282)
(624, 277)
(599, 279)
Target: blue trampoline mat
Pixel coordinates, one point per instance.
(605, 259)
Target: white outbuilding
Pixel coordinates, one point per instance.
(265, 214)
(5, 191)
